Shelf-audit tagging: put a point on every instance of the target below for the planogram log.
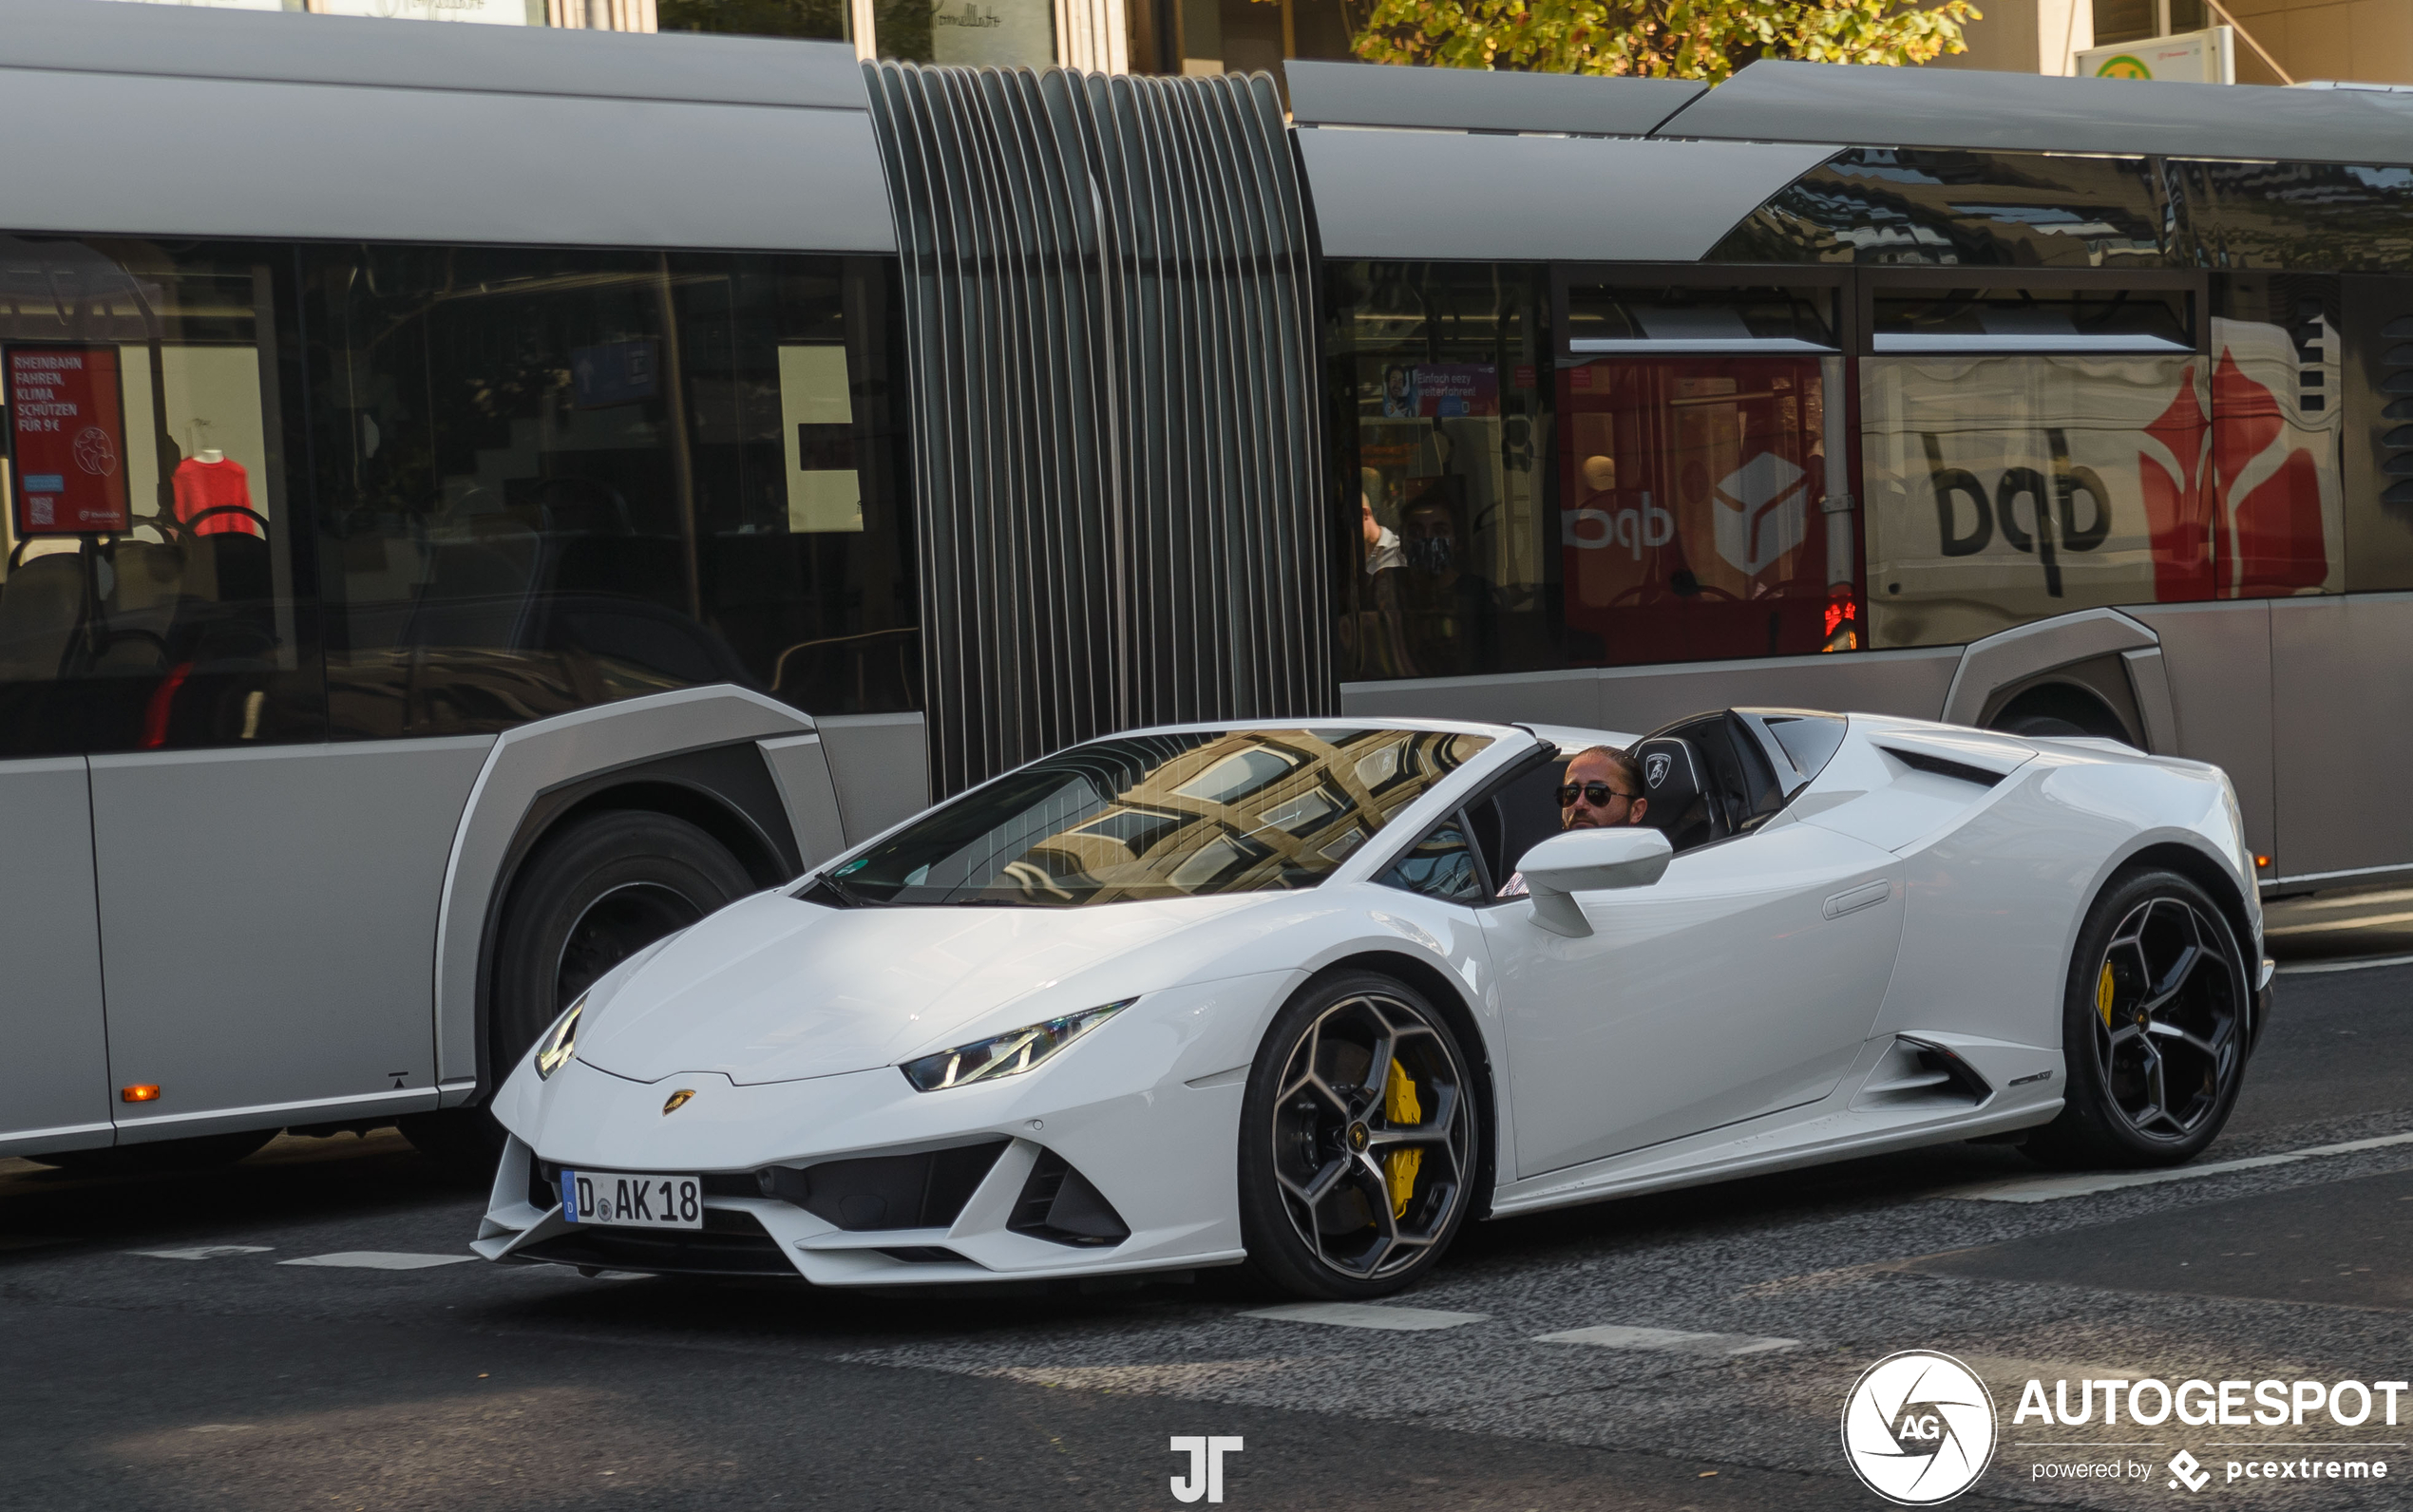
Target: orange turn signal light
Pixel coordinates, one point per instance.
(2261, 861)
(140, 1092)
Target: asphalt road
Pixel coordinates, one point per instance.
(150, 1364)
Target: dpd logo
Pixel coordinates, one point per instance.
(1918, 1427)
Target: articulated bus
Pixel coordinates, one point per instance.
(477, 502)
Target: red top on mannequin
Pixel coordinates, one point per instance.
(204, 485)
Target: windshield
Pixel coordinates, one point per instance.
(1159, 816)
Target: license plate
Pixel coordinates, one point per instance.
(632, 1199)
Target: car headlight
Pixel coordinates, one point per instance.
(560, 1041)
(1007, 1055)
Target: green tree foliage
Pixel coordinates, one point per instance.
(1671, 39)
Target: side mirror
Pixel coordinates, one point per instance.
(1585, 860)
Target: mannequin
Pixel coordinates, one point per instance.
(211, 480)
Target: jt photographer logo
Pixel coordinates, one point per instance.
(1919, 1428)
(1205, 1478)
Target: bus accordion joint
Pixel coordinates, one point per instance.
(140, 1092)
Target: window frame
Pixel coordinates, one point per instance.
(1847, 313)
(2196, 284)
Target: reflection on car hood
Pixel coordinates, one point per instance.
(775, 990)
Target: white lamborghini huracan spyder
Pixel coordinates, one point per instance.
(1189, 996)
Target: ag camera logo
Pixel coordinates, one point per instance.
(1918, 1427)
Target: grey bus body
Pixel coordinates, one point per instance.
(301, 931)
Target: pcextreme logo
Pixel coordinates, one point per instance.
(1918, 1427)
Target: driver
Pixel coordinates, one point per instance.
(1604, 788)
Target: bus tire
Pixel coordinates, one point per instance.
(591, 894)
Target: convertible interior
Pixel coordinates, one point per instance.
(1724, 774)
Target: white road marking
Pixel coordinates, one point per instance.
(2309, 968)
(2052, 1188)
(1616, 1337)
(205, 1251)
(1365, 1315)
(380, 1261)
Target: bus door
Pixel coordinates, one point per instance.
(1705, 486)
(54, 1077)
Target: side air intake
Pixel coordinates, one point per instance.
(1915, 1074)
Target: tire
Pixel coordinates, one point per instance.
(465, 1141)
(594, 893)
(1329, 1206)
(2044, 727)
(159, 1157)
(2154, 1026)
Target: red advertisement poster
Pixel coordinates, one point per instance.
(67, 415)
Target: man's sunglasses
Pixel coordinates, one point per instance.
(1599, 793)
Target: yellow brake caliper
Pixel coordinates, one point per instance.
(2103, 995)
(1401, 1110)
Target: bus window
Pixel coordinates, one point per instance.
(2006, 483)
(1452, 570)
(556, 479)
(1700, 519)
(146, 558)
(1907, 206)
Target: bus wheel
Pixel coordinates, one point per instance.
(594, 893)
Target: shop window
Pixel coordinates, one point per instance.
(554, 478)
(146, 549)
(973, 33)
(1453, 567)
(825, 19)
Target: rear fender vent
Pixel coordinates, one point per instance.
(1059, 1204)
(924, 1191)
(1942, 767)
(1915, 1074)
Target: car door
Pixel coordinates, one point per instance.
(54, 1074)
(1744, 982)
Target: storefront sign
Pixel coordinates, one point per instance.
(2191, 57)
(66, 419)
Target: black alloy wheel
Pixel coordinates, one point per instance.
(1357, 1143)
(2155, 1031)
(591, 895)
